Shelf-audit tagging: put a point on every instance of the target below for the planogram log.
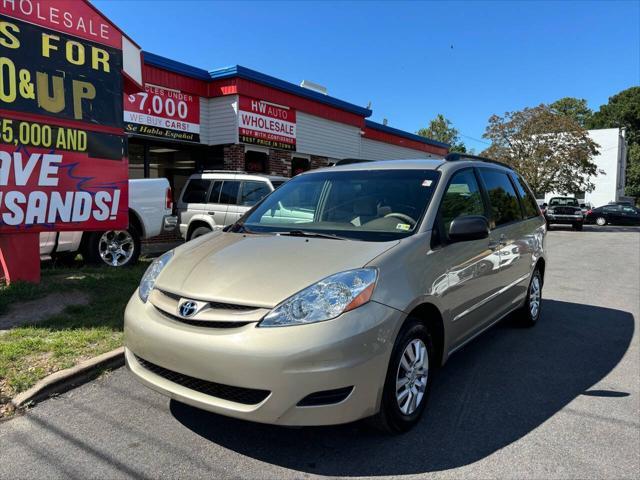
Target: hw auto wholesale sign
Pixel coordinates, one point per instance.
(62, 155)
(163, 112)
(267, 124)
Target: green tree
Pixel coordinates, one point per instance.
(623, 111)
(551, 151)
(575, 108)
(442, 130)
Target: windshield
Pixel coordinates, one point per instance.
(562, 202)
(373, 205)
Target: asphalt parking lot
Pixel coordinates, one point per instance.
(561, 400)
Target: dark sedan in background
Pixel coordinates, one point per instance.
(614, 215)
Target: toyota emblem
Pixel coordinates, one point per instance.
(188, 308)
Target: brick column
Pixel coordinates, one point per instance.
(279, 162)
(318, 162)
(234, 157)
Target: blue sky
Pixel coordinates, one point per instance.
(412, 60)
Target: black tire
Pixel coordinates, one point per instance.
(577, 226)
(390, 418)
(92, 248)
(525, 315)
(199, 231)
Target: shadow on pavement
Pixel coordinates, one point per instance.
(493, 392)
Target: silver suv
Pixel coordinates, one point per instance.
(339, 295)
(214, 199)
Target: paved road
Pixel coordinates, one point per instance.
(559, 400)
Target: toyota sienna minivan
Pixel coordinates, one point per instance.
(339, 295)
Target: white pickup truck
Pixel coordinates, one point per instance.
(150, 213)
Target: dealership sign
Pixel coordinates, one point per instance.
(63, 163)
(267, 124)
(163, 112)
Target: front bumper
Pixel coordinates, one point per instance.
(352, 350)
(564, 219)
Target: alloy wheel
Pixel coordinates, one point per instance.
(601, 221)
(534, 297)
(412, 375)
(116, 247)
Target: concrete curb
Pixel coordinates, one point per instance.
(63, 380)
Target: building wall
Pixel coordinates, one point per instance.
(374, 150)
(611, 158)
(318, 136)
(219, 120)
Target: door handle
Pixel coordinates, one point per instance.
(211, 213)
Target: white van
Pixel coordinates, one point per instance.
(214, 199)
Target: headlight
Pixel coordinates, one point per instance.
(149, 278)
(325, 300)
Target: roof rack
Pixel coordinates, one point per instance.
(349, 161)
(224, 171)
(458, 157)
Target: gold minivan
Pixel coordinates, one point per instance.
(339, 295)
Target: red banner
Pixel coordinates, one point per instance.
(163, 112)
(63, 162)
(267, 124)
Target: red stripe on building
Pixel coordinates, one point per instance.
(385, 137)
(165, 78)
(256, 90)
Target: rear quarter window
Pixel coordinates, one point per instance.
(196, 191)
(505, 207)
(529, 204)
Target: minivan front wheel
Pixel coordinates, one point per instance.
(408, 380)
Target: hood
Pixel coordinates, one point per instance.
(259, 270)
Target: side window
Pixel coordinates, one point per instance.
(528, 200)
(196, 191)
(214, 196)
(229, 193)
(461, 198)
(612, 209)
(253, 192)
(505, 207)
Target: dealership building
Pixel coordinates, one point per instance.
(188, 119)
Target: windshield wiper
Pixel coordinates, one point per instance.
(304, 233)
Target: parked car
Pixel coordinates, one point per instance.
(150, 213)
(585, 207)
(564, 211)
(613, 214)
(296, 319)
(215, 199)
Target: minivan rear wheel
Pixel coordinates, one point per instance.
(408, 380)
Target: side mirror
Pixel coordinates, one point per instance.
(468, 227)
